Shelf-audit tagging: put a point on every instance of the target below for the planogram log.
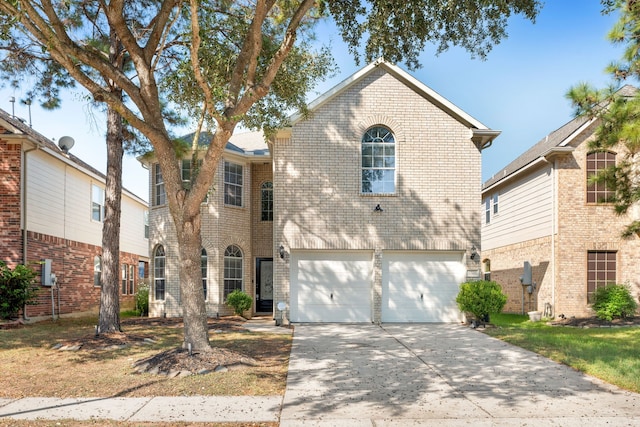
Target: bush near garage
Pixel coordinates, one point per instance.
(613, 302)
(481, 298)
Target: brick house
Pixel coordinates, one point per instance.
(52, 209)
(365, 211)
(541, 209)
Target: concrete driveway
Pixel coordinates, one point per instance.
(437, 374)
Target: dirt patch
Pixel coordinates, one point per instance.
(594, 322)
(173, 362)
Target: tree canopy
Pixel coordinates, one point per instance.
(617, 108)
(228, 62)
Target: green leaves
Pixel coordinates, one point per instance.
(17, 288)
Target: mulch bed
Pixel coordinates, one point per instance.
(594, 322)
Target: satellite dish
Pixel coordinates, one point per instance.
(66, 143)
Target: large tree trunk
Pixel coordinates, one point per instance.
(196, 331)
(109, 316)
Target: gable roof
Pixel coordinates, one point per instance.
(557, 141)
(420, 88)
(15, 127)
(247, 143)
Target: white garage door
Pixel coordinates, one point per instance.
(329, 286)
(421, 286)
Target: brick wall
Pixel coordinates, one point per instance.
(583, 227)
(72, 263)
(317, 176)
(10, 208)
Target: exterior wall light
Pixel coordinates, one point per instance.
(281, 251)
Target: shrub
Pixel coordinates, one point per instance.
(17, 288)
(614, 301)
(240, 301)
(481, 298)
(142, 300)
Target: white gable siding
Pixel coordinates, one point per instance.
(45, 184)
(525, 211)
(59, 198)
(132, 227)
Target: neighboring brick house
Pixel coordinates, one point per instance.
(542, 210)
(365, 211)
(53, 209)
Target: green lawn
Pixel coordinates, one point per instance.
(611, 354)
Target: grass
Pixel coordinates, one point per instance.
(610, 354)
(30, 367)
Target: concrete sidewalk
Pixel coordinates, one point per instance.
(204, 409)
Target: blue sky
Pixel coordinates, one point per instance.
(519, 89)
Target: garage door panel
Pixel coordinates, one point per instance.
(331, 286)
(421, 287)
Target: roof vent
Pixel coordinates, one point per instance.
(66, 143)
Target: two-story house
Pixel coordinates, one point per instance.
(541, 209)
(52, 212)
(364, 211)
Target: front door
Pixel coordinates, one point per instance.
(264, 285)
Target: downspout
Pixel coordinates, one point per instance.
(23, 217)
(554, 215)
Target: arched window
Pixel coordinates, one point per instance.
(378, 161)
(97, 270)
(159, 281)
(232, 269)
(266, 204)
(596, 162)
(486, 269)
(203, 266)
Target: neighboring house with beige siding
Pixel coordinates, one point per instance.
(53, 209)
(364, 211)
(542, 210)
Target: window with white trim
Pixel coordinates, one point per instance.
(124, 278)
(159, 281)
(97, 270)
(159, 194)
(203, 267)
(495, 203)
(232, 184)
(132, 276)
(97, 203)
(232, 269)
(145, 220)
(378, 161)
(487, 210)
(266, 201)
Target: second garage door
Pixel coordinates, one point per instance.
(421, 286)
(328, 286)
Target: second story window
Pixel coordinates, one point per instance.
(378, 161)
(596, 162)
(266, 201)
(232, 184)
(97, 203)
(495, 203)
(145, 219)
(159, 195)
(487, 210)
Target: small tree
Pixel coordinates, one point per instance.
(614, 301)
(17, 288)
(481, 298)
(239, 301)
(142, 300)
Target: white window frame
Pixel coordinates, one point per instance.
(494, 201)
(233, 269)
(97, 203)
(487, 210)
(145, 220)
(159, 192)
(204, 263)
(266, 199)
(159, 272)
(376, 146)
(233, 182)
